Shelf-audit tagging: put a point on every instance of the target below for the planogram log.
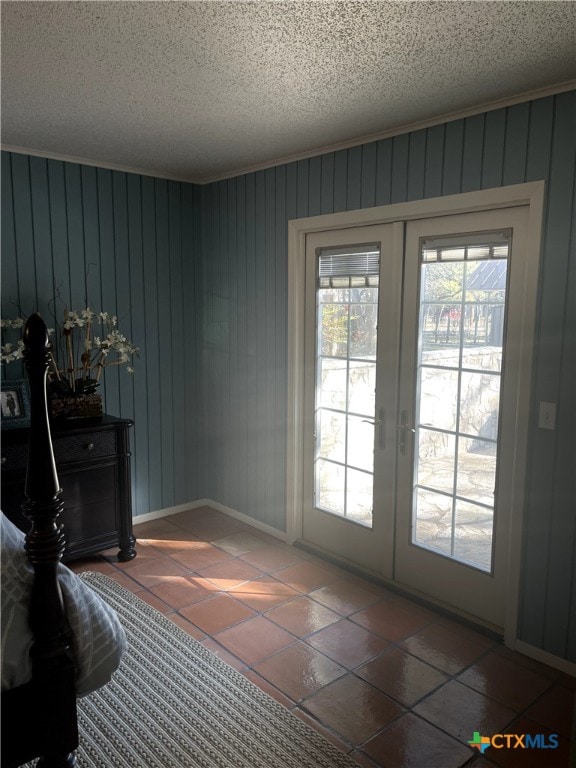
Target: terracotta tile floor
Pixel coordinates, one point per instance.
(392, 683)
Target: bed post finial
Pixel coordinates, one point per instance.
(52, 665)
(43, 505)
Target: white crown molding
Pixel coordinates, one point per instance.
(92, 163)
(401, 129)
(490, 106)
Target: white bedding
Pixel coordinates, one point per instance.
(98, 640)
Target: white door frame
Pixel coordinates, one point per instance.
(530, 194)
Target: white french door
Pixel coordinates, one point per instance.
(352, 326)
(412, 359)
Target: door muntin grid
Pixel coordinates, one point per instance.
(462, 305)
(345, 376)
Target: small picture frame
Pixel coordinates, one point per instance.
(15, 404)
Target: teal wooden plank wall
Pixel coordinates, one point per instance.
(125, 243)
(245, 317)
(198, 276)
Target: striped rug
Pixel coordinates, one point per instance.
(174, 704)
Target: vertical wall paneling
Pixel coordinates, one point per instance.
(177, 336)
(262, 304)
(354, 183)
(59, 229)
(165, 341)
(24, 231)
(109, 381)
(222, 343)
(74, 236)
(537, 135)
(384, 172)
(75, 220)
(190, 313)
(302, 198)
(279, 246)
(416, 165)
(152, 340)
(233, 325)
(224, 315)
(212, 363)
(238, 255)
(42, 236)
(292, 190)
(453, 145)
(123, 301)
(178, 382)
(473, 153)
(517, 122)
(140, 432)
(434, 161)
(327, 190)
(537, 528)
(271, 346)
(567, 390)
(10, 289)
(550, 464)
(91, 229)
(340, 180)
(400, 148)
(493, 157)
(368, 178)
(253, 299)
(315, 186)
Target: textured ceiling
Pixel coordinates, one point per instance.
(200, 90)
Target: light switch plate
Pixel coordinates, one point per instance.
(547, 415)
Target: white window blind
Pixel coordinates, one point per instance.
(350, 267)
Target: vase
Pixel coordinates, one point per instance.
(78, 406)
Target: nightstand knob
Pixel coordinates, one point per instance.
(90, 447)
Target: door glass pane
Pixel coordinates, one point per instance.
(361, 387)
(347, 313)
(330, 486)
(360, 436)
(458, 383)
(437, 452)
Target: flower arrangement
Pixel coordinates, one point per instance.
(85, 344)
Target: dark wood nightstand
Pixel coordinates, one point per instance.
(93, 463)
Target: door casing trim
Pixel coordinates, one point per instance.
(531, 194)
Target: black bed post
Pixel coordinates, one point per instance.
(53, 670)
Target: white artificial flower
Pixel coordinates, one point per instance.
(11, 353)
(16, 323)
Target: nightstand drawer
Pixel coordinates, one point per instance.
(86, 445)
(79, 447)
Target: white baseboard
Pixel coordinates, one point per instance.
(546, 658)
(165, 512)
(219, 508)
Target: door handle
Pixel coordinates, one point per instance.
(381, 423)
(403, 429)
